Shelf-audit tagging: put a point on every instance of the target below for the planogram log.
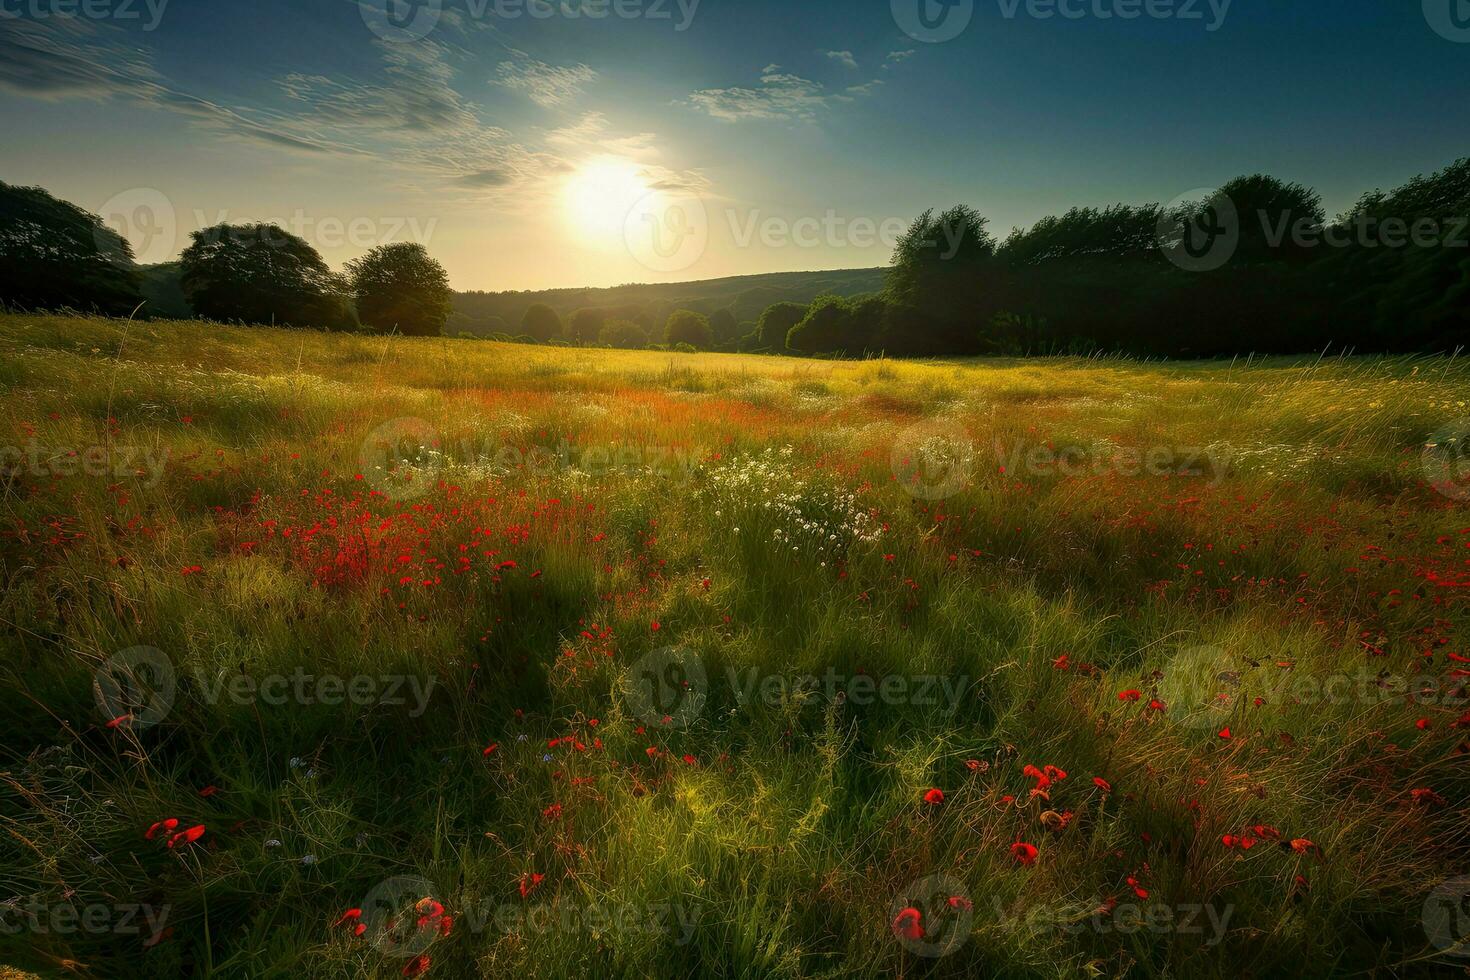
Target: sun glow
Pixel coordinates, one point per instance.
(600, 196)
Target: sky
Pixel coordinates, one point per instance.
(532, 144)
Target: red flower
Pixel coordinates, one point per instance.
(530, 882)
(166, 826)
(1102, 784)
(187, 836)
(209, 790)
(934, 797)
(1427, 796)
(490, 749)
(1129, 695)
(1224, 733)
(119, 720)
(351, 915)
(908, 924)
(1025, 854)
(417, 966)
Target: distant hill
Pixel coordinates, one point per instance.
(745, 296)
(477, 312)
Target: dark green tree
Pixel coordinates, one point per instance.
(54, 254)
(623, 333)
(688, 327)
(775, 324)
(541, 322)
(586, 324)
(399, 287)
(262, 274)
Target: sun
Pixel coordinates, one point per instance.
(600, 195)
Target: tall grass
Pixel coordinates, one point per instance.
(1220, 539)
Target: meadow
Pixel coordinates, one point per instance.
(331, 656)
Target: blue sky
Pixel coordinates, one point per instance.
(668, 141)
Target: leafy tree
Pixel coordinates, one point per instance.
(586, 325)
(944, 273)
(838, 325)
(541, 322)
(776, 323)
(1268, 211)
(688, 327)
(260, 273)
(54, 254)
(398, 286)
(724, 326)
(624, 333)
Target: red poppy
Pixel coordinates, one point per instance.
(908, 924)
(530, 882)
(120, 720)
(209, 791)
(972, 764)
(1102, 784)
(490, 749)
(934, 797)
(167, 826)
(1426, 797)
(417, 966)
(1224, 733)
(1129, 695)
(1025, 854)
(187, 836)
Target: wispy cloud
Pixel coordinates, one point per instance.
(843, 58)
(898, 57)
(549, 86)
(782, 96)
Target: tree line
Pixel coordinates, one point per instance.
(1255, 266)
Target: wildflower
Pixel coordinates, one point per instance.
(209, 791)
(530, 882)
(187, 836)
(1025, 854)
(490, 749)
(934, 797)
(1426, 797)
(1129, 695)
(165, 825)
(908, 924)
(119, 721)
(417, 966)
(1102, 784)
(1224, 733)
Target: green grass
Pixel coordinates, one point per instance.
(1224, 539)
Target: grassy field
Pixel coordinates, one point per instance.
(560, 662)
